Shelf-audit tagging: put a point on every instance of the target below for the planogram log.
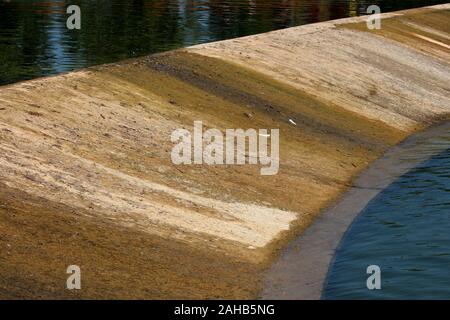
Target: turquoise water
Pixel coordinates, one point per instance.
(405, 230)
(34, 40)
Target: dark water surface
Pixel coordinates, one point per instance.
(34, 40)
(405, 230)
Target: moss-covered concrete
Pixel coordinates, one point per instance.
(87, 178)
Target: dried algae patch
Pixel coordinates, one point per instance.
(87, 156)
(39, 239)
(428, 33)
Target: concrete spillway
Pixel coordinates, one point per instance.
(86, 175)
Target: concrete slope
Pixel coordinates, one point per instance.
(398, 74)
(86, 170)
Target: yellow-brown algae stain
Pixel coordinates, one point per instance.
(87, 177)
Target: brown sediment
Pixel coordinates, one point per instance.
(40, 239)
(85, 160)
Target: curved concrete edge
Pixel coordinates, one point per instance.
(302, 268)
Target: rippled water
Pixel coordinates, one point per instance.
(34, 40)
(405, 230)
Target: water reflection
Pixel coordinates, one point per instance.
(34, 40)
